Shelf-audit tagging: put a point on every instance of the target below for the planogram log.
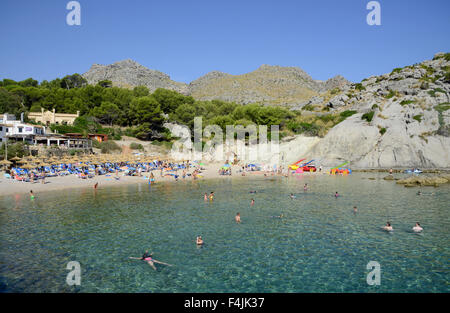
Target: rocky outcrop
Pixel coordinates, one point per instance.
(335, 82)
(406, 122)
(129, 74)
(425, 180)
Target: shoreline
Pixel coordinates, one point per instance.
(12, 187)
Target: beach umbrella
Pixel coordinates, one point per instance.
(21, 161)
(16, 158)
(5, 162)
(28, 166)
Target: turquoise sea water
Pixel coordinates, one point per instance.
(319, 245)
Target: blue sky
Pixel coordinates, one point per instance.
(188, 38)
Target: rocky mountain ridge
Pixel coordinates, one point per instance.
(272, 85)
(129, 74)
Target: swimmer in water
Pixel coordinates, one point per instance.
(280, 216)
(95, 186)
(211, 196)
(252, 191)
(238, 218)
(150, 261)
(336, 194)
(253, 202)
(292, 196)
(417, 228)
(355, 209)
(206, 196)
(305, 188)
(388, 227)
(199, 240)
(31, 195)
(419, 193)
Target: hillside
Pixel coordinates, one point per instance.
(402, 119)
(266, 85)
(273, 85)
(129, 74)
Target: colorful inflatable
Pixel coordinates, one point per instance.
(340, 170)
(295, 165)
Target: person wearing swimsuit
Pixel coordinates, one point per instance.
(150, 261)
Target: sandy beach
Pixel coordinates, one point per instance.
(11, 186)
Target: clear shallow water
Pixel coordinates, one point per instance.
(319, 246)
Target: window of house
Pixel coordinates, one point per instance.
(20, 129)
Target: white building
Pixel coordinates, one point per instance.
(11, 128)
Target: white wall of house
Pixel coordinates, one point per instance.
(9, 126)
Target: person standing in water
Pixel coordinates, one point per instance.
(417, 228)
(95, 186)
(206, 196)
(388, 227)
(150, 261)
(211, 196)
(31, 195)
(336, 194)
(355, 209)
(253, 202)
(305, 188)
(238, 217)
(199, 240)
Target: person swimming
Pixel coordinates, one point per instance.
(252, 191)
(238, 217)
(419, 193)
(388, 227)
(355, 209)
(206, 197)
(417, 228)
(292, 196)
(199, 240)
(150, 261)
(279, 216)
(253, 202)
(336, 194)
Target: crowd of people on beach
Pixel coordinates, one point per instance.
(90, 170)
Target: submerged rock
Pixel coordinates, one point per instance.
(424, 181)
